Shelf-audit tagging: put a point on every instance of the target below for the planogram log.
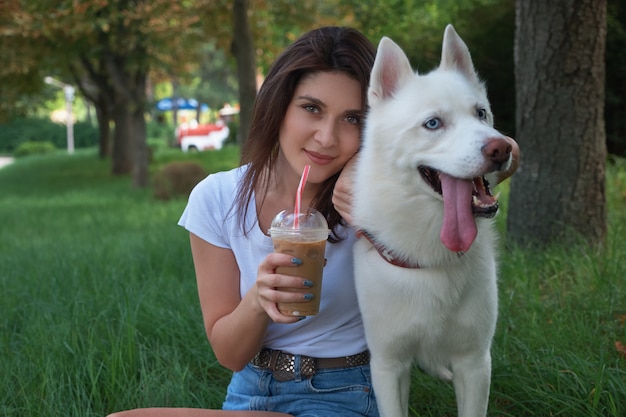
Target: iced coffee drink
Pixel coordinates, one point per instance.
(305, 240)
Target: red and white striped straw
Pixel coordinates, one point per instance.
(296, 209)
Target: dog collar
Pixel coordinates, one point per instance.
(387, 254)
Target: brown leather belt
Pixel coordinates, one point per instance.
(283, 364)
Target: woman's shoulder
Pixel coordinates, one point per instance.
(210, 205)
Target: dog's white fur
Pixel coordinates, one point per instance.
(442, 315)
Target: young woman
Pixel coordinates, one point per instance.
(309, 111)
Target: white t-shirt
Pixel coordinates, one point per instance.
(337, 330)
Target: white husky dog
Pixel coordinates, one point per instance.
(425, 267)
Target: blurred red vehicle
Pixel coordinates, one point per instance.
(202, 137)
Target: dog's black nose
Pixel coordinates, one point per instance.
(498, 151)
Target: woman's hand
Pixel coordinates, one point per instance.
(269, 287)
(342, 194)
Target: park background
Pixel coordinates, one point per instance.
(98, 305)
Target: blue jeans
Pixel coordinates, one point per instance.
(345, 392)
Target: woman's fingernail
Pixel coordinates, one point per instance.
(308, 297)
(301, 318)
(296, 261)
(307, 283)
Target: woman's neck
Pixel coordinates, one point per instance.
(283, 185)
(280, 194)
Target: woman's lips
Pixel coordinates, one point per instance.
(318, 158)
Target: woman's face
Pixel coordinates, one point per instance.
(322, 125)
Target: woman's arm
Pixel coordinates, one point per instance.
(234, 326)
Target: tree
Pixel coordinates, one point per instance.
(559, 76)
(95, 87)
(127, 40)
(21, 60)
(615, 111)
(108, 48)
(243, 50)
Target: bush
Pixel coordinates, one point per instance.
(177, 179)
(160, 135)
(34, 148)
(32, 129)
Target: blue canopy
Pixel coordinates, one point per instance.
(167, 104)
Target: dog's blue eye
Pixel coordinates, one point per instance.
(481, 113)
(433, 123)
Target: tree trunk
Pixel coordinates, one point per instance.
(96, 88)
(130, 149)
(559, 190)
(104, 119)
(243, 50)
(141, 154)
(122, 160)
(175, 102)
(615, 111)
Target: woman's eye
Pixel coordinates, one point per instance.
(432, 124)
(310, 108)
(354, 120)
(481, 113)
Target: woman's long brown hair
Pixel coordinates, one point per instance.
(321, 50)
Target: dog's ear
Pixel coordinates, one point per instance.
(456, 56)
(391, 70)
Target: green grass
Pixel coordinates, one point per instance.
(99, 311)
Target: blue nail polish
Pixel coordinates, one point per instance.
(308, 297)
(307, 283)
(296, 261)
(301, 318)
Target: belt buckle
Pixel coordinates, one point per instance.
(308, 366)
(283, 366)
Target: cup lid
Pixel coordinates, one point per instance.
(308, 220)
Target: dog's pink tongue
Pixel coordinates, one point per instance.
(459, 228)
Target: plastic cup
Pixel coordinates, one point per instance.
(307, 242)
